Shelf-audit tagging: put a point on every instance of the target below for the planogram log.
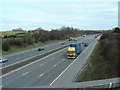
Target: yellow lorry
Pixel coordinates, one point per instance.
(74, 50)
(70, 38)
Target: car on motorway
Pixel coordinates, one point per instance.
(84, 35)
(62, 43)
(3, 59)
(96, 36)
(75, 39)
(85, 44)
(40, 49)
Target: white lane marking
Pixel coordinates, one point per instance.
(91, 50)
(41, 65)
(37, 55)
(55, 65)
(25, 73)
(53, 58)
(71, 64)
(63, 59)
(37, 60)
(31, 63)
(28, 58)
(41, 75)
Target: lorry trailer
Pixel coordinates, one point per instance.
(74, 50)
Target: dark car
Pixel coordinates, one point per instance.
(83, 42)
(85, 45)
(75, 39)
(62, 43)
(84, 35)
(3, 59)
(40, 49)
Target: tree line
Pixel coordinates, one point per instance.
(41, 35)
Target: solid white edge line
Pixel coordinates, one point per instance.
(30, 63)
(38, 60)
(91, 50)
(87, 58)
(70, 64)
(29, 57)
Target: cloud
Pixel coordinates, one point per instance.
(59, 0)
(50, 15)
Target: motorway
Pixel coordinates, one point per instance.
(47, 70)
(24, 55)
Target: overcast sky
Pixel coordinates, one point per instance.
(52, 14)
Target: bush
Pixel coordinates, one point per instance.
(109, 46)
(19, 42)
(29, 40)
(104, 36)
(6, 45)
(116, 30)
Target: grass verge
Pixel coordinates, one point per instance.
(99, 68)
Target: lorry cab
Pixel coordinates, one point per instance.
(70, 38)
(71, 53)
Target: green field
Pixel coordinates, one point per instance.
(11, 32)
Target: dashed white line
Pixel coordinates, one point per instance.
(41, 65)
(53, 58)
(63, 59)
(32, 62)
(25, 73)
(70, 64)
(41, 75)
(55, 65)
